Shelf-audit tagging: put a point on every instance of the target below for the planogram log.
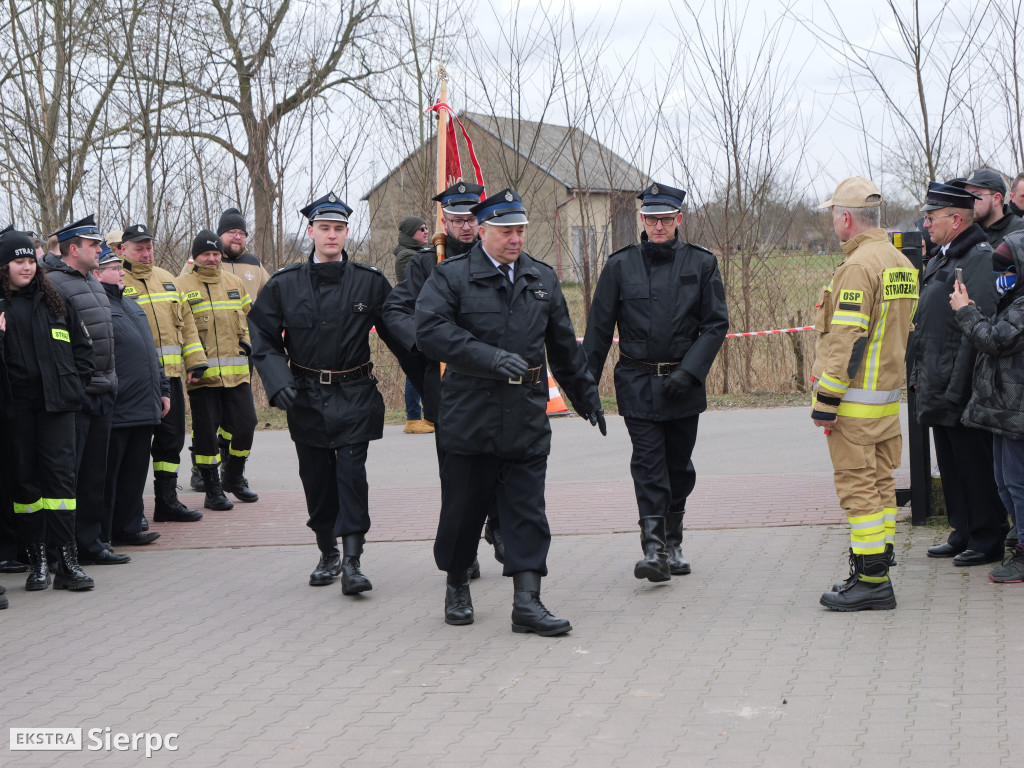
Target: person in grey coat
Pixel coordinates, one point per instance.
(995, 403)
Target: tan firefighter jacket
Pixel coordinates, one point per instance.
(863, 319)
(174, 332)
(219, 304)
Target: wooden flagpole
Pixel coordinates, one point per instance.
(442, 162)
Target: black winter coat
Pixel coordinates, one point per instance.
(325, 312)
(140, 377)
(670, 308)
(86, 294)
(1007, 224)
(941, 358)
(998, 394)
(465, 313)
(64, 353)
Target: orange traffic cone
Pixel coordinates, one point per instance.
(556, 405)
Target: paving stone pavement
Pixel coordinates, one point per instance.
(733, 665)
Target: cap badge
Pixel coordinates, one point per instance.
(654, 189)
(462, 187)
(508, 197)
(331, 198)
(138, 227)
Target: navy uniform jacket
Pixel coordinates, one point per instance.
(667, 310)
(941, 357)
(468, 310)
(325, 312)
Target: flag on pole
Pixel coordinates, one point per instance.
(453, 165)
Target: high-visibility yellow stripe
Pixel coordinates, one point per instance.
(865, 411)
(236, 452)
(34, 506)
(191, 349)
(209, 461)
(875, 350)
(205, 306)
(834, 384)
(170, 359)
(225, 370)
(69, 504)
(873, 579)
(165, 466)
(858, 319)
(224, 433)
(873, 396)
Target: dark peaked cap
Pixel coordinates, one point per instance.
(459, 198)
(947, 196)
(330, 207)
(82, 228)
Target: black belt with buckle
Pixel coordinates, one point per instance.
(335, 377)
(658, 369)
(532, 375)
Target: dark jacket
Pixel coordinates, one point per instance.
(998, 231)
(63, 351)
(998, 391)
(325, 312)
(85, 293)
(941, 358)
(669, 304)
(140, 377)
(465, 313)
(407, 248)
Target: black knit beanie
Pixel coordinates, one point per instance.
(206, 241)
(232, 218)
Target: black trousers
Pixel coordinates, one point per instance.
(127, 470)
(228, 411)
(169, 436)
(10, 546)
(492, 508)
(43, 481)
(973, 506)
(663, 474)
(337, 494)
(92, 426)
(468, 486)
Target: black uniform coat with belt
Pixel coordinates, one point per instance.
(63, 352)
(325, 312)
(669, 303)
(941, 357)
(400, 316)
(141, 381)
(468, 310)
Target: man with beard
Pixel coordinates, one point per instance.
(461, 230)
(990, 213)
(668, 300)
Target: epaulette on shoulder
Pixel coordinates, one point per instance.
(452, 259)
(367, 267)
(289, 268)
(701, 248)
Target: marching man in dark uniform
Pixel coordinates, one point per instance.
(460, 234)
(320, 373)
(668, 300)
(491, 314)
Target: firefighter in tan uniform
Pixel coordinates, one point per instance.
(863, 320)
(180, 353)
(222, 399)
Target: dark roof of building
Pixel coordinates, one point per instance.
(569, 155)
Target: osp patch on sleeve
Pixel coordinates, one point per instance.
(850, 299)
(899, 283)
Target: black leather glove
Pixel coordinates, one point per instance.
(679, 382)
(509, 364)
(285, 399)
(597, 420)
(245, 348)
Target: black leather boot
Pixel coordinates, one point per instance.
(38, 571)
(474, 570)
(458, 605)
(890, 553)
(233, 480)
(166, 507)
(869, 590)
(654, 566)
(330, 560)
(353, 580)
(215, 498)
(528, 612)
(196, 480)
(492, 535)
(69, 574)
(677, 564)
